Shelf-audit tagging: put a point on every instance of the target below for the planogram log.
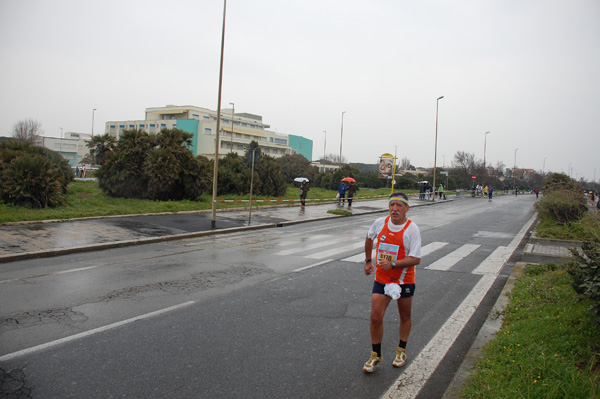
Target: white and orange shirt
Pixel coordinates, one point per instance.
(395, 242)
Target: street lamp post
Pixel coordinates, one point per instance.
(543, 172)
(514, 168)
(232, 115)
(484, 145)
(213, 222)
(435, 151)
(341, 136)
(325, 145)
(93, 114)
(569, 170)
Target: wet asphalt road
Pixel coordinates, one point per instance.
(59, 237)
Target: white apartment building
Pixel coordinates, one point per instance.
(72, 146)
(237, 130)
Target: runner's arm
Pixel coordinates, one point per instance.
(368, 255)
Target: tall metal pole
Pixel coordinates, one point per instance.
(435, 151)
(213, 222)
(543, 172)
(325, 146)
(251, 182)
(484, 145)
(514, 168)
(394, 169)
(93, 112)
(342, 135)
(569, 170)
(232, 115)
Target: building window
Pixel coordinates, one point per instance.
(240, 147)
(141, 126)
(207, 131)
(163, 125)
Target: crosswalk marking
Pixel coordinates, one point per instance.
(355, 258)
(432, 247)
(338, 245)
(297, 241)
(453, 258)
(333, 251)
(493, 263)
(304, 248)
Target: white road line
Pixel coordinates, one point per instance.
(417, 373)
(84, 334)
(426, 250)
(493, 263)
(336, 250)
(355, 258)
(297, 241)
(313, 265)
(302, 248)
(434, 246)
(453, 258)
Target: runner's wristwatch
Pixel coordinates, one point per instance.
(367, 261)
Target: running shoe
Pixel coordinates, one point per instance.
(400, 359)
(369, 366)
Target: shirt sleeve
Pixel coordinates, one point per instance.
(414, 238)
(376, 228)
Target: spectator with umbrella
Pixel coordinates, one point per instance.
(351, 189)
(303, 190)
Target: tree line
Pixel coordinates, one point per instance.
(162, 167)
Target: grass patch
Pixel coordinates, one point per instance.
(583, 230)
(341, 212)
(548, 346)
(85, 199)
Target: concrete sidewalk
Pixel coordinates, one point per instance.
(53, 238)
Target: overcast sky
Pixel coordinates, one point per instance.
(526, 71)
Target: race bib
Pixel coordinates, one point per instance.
(388, 252)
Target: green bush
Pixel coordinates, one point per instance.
(563, 200)
(155, 167)
(562, 206)
(32, 176)
(586, 272)
(235, 175)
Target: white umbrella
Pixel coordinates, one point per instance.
(301, 179)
